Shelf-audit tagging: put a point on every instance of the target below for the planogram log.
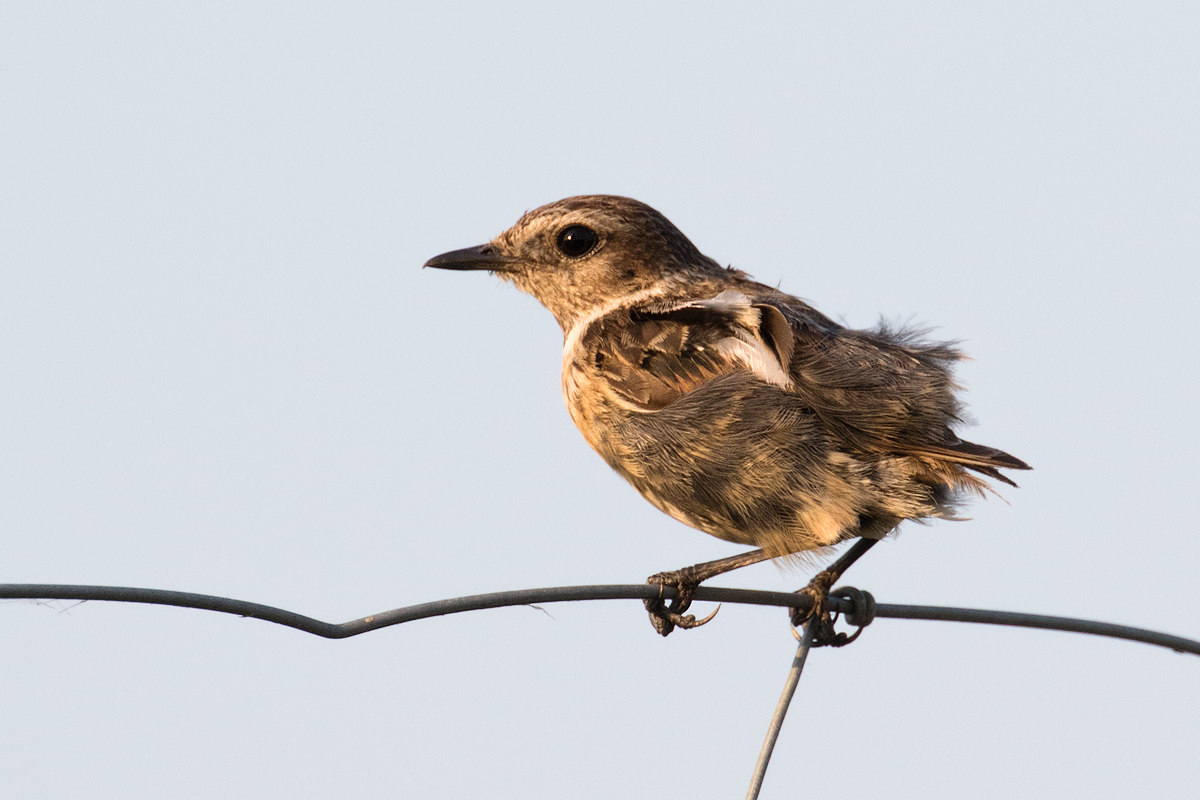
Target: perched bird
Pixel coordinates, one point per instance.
(734, 407)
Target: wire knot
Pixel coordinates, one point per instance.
(861, 614)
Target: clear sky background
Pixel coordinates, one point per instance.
(223, 370)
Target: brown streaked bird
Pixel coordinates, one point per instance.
(736, 408)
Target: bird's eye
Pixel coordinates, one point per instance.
(576, 241)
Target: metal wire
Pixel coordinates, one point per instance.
(639, 591)
(785, 700)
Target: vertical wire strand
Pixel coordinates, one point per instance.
(785, 700)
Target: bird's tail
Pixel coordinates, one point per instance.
(980, 458)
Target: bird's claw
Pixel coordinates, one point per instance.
(824, 635)
(818, 614)
(664, 620)
(667, 616)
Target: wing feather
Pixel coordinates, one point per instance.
(652, 357)
(883, 391)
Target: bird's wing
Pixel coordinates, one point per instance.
(880, 391)
(889, 390)
(652, 356)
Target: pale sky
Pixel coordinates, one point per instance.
(223, 370)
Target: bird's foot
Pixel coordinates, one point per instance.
(667, 616)
(861, 614)
(818, 615)
(818, 591)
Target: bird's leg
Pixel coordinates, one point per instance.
(666, 618)
(818, 591)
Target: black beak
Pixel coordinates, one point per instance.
(484, 256)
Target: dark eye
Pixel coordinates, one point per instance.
(576, 241)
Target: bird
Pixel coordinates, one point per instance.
(734, 407)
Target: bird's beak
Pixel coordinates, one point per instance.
(484, 256)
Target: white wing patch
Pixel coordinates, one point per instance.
(747, 347)
(649, 354)
(757, 357)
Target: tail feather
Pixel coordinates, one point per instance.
(970, 453)
(992, 472)
(977, 457)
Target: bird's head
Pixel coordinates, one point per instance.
(582, 253)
